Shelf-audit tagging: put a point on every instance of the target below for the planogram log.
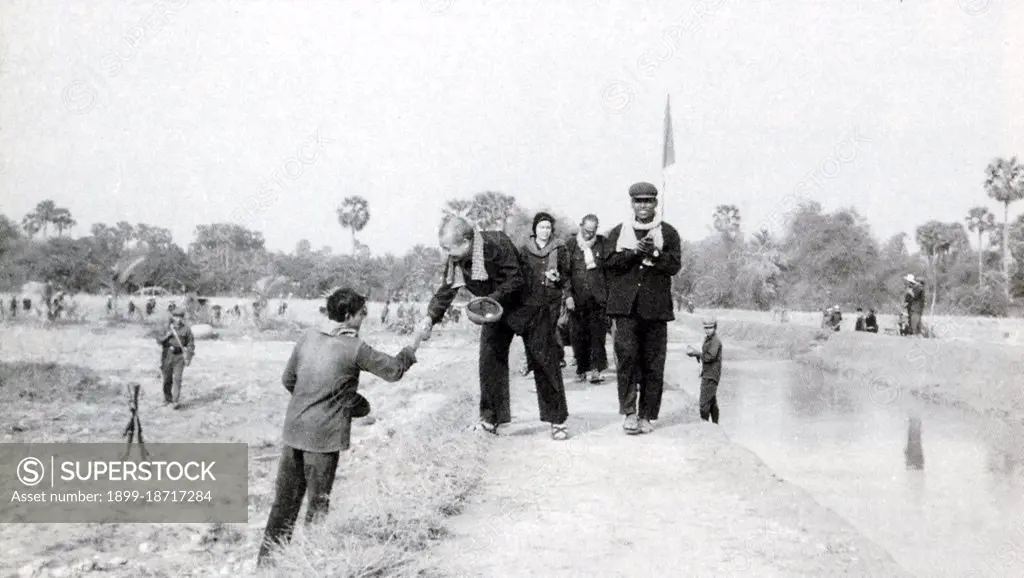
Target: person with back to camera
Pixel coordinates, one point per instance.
(322, 375)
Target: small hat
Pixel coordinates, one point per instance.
(178, 313)
(643, 190)
(484, 310)
(910, 277)
(710, 322)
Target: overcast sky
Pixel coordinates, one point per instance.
(182, 112)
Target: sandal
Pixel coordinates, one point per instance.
(559, 432)
(487, 427)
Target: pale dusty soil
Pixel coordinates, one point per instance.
(682, 501)
(232, 392)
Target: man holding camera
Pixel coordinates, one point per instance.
(643, 254)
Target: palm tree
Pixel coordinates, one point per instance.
(63, 221)
(727, 220)
(1004, 182)
(354, 214)
(44, 214)
(980, 220)
(31, 224)
(933, 239)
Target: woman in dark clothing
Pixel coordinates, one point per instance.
(546, 267)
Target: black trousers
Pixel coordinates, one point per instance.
(709, 399)
(298, 471)
(542, 352)
(589, 332)
(640, 349)
(555, 309)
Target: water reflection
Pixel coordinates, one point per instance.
(813, 392)
(914, 453)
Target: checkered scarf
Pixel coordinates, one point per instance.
(453, 275)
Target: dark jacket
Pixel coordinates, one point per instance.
(710, 358)
(586, 284)
(915, 299)
(505, 283)
(539, 289)
(323, 375)
(871, 323)
(172, 346)
(631, 283)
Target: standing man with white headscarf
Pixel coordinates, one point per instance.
(643, 254)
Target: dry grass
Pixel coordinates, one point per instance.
(405, 473)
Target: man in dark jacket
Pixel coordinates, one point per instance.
(178, 347)
(710, 358)
(914, 299)
(586, 300)
(487, 264)
(642, 256)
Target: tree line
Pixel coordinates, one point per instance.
(815, 259)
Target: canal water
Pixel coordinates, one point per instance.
(942, 490)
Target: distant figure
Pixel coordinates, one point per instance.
(131, 309)
(914, 453)
(178, 348)
(14, 306)
(384, 312)
(282, 308)
(903, 324)
(26, 303)
(710, 358)
(859, 325)
(914, 299)
(150, 306)
(216, 313)
(871, 322)
(110, 304)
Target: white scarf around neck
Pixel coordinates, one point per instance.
(628, 240)
(588, 249)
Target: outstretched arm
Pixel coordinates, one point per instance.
(442, 298)
(384, 366)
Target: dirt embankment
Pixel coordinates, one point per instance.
(681, 501)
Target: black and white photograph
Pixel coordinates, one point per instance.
(454, 288)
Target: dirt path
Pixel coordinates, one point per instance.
(682, 501)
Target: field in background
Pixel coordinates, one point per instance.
(977, 368)
(987, 329)
(409, 468)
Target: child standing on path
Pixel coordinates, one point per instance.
(710, 358)
(179, 346)
(322, 375)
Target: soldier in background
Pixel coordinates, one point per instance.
(710, 358)
(178, 348)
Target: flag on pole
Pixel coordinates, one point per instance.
(669, 153)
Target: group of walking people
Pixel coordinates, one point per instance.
(622, 281)
(624, 278)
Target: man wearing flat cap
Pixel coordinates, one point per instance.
(709, 356)
(642, 255)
